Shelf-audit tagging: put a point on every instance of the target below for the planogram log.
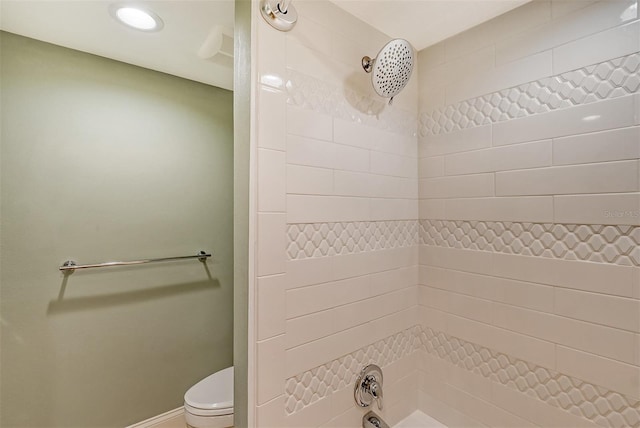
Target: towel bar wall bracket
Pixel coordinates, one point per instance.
(71, 266)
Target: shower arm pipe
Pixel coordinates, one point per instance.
(71, 266)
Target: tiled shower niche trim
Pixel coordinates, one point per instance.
(592, 402)
(618, 245)
(313, 94)
(309, 240)
(606, 80)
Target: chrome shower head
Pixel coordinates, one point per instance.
(391, 69)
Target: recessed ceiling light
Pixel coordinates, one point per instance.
(136, 17)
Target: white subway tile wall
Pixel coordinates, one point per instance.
(311, 385)
(590, 401)
(611, 79)
(473, 370)
(529, 178)
(338, 170)
(329, 239)
(480, 240)
(596, 243)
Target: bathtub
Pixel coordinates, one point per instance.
(418, 419)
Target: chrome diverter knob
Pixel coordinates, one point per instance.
(369, 386)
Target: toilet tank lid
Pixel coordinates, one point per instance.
(212, 392)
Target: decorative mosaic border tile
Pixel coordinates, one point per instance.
(595, 403)
(312, 385)
(618, 245)
(610, 79)
(314, 94)
(592, 402)
(328, 239)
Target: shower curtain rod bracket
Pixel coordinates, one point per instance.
(280, 14)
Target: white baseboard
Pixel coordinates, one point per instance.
(171, 419)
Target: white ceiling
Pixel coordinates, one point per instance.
(86, 25)
(426, 22)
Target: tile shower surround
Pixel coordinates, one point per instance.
(610, 79)
(595, 243)
(583, 241)
(529, 218)
(618, 245)
(310, 93)
(615, 244)
(589, 401)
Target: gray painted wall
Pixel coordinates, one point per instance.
(102, 160)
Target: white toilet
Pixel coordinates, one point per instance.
(209, 403)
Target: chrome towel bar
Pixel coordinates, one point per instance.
(70, 266)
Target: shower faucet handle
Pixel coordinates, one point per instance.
(369, 386)
(376, 391)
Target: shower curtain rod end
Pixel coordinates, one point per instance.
(282, 18)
